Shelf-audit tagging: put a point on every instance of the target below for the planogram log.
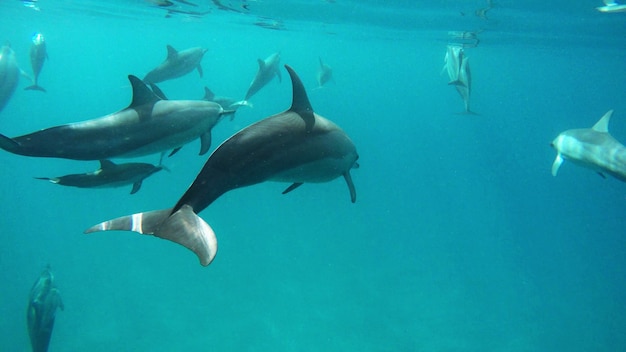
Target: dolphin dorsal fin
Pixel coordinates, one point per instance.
(106, 164)
(261, 64)
(208, 94)
(142, 95)
(171, 52)
(300, 103)
(603, 124)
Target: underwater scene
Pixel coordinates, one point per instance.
(377, 175)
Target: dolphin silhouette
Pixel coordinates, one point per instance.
(43, 301)
(177, 63)
(296, 146)
(148, 125)
(9, 74)
(268, 68)
(109, 174)
(611, 6)
(593, 148)
(464, 88)
(324, 74)
(38, 54)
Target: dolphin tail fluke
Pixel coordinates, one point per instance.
(183, 227)
(9, 144)
(35, 87)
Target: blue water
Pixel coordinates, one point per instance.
(460, 239)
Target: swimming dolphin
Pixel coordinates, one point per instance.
(611, 6)
(9, 74)
(465, 84)
(593, 148)
(225, 102)
(109, 175)
(268, 68)
(452, 63)
(177, 63)
(294, 146)
(324, 74)
(38, 54)
(148, 125)
(43, 302)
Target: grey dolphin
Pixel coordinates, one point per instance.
(225, 102)
(324, 74)
(593, 148)
(43, 301)
(148, 125)
(109, 174)
(294, 146)
(38, 54)
(465, 86)
(452, 63)
(611, 6)
(177, 63)
(268, 68)
(9, 74)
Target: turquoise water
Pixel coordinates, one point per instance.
(460, 239)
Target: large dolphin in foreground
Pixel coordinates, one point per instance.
(43, 301)
(593, 148)
(9, 74)
(295, 146)
(148, 125)
(177, 63)
(38, 54)
(268, 68)
(109, 174)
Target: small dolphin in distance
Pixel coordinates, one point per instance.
(38, 54)
(43, 301)
(268, 68)
(610, 6)
(593, 148)
(296, 146)
(324, 74)
(177, 64)
(452, 63)
(109, 175)
(9, 74)
(148, 125)
(465, 84)
(225, 102)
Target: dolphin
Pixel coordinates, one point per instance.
(148, 125)
(294, 146)
(324, 74)
(9, 74)
(177, 63)
(225, 102)
(611, 6)
(593, 148)
(109, 175)
(452, 63)
(268, 68)
(38, 55)
(43, 302)
(465, 84)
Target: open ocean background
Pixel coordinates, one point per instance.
(460, 239)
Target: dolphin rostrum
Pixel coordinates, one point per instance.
(296, 146)
(9, 74)
(109, 175)
(148, 125)
(177, 63)
(268, 68)
(43, 302)
(38, 54)
(593, 148)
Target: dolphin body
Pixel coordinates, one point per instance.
(268, 68)
(225, 102)
(324, 74)
(294, 146)
(38, 54)
(453, 62)
(109, 175)
(148, 125)
(9, 74)
(177, 63)
(465, 84)
(593, 148)
(611, 6)
(43, 302)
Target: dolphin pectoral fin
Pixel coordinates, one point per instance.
(190, 231)
(136, 187)
(174, 151)
(556, 164)
(205, 142)
(602, 175)
(200, 71)
(346, 175)
(292, 187)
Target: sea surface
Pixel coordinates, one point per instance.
(460, 238)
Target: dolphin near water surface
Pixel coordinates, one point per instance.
(268, 68)
(177, 64)
(593, 148)
(38, 55)
(148, 125)
(43, 301)
(296, 146)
